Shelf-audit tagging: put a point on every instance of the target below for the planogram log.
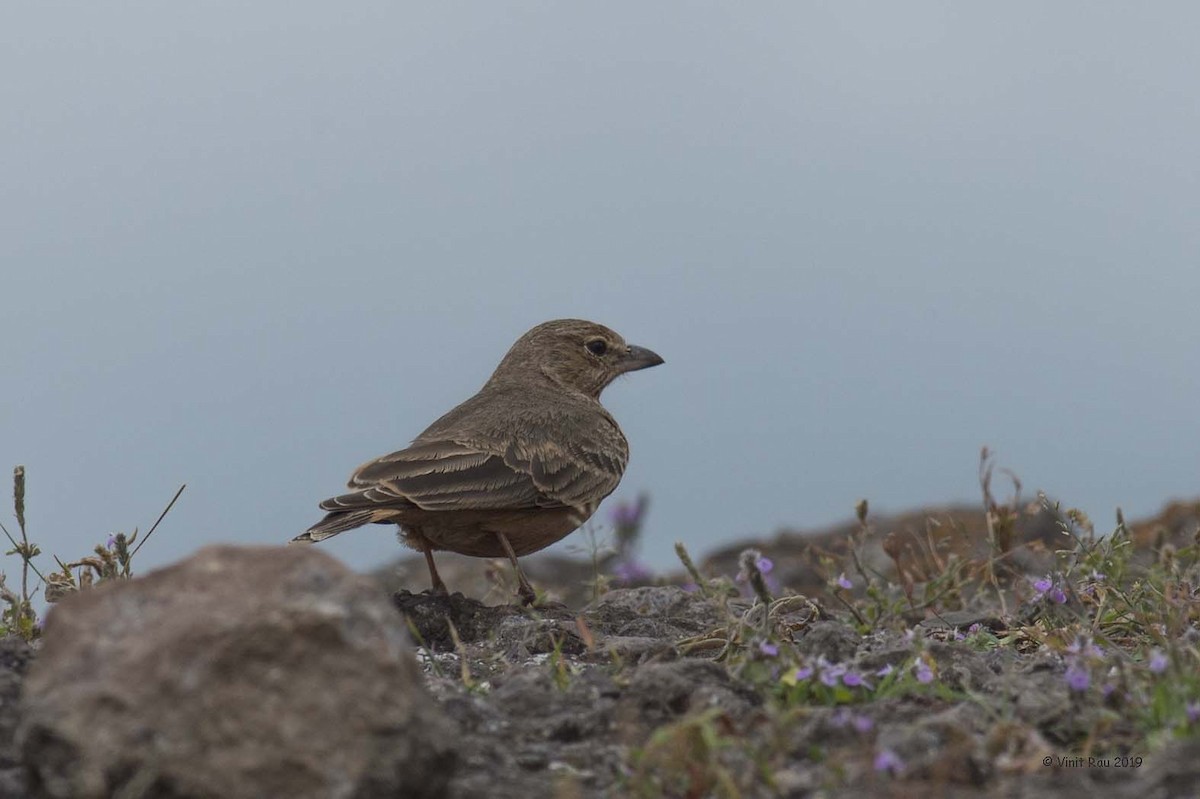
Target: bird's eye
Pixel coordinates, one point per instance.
(597, 346)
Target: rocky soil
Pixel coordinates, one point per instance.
(260, 672)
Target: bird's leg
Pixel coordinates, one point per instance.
(524, 589)
(439, 588)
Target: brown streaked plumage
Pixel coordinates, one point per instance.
(513, 469)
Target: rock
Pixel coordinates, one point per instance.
(664, 612)
(517, 631)
(15, 655)
(833, 640)
(240, 672)
(660, 692)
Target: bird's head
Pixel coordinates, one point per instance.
(579, 355)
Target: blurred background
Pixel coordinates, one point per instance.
(247, 247)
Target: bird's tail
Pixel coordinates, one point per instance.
(337, 522)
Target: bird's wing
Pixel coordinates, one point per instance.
(443, 475)
(577, 473)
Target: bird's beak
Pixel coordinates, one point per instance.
(638, 358)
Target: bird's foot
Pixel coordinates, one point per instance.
(532, 600)
(545, 604)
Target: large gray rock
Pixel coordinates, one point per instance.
(240, 672)
(15, 656)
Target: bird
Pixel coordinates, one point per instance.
(513, 469)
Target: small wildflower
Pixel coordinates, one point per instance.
(854, 679)
(629, 570)
(1077, 678)
(923, 671)
(888, 761)
(1158, 661)
(1193, 712)
(1091, 581)
(974, 628)
(753, 574)
(1046, 588)
(625, 514)
(1084, 647)
(769, 649)
(831, 673)
(111, 542)
(885, 671)
(958, 635)
(690, 587)
(844, 718)
(844, 582)
(804, 673)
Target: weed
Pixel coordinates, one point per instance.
(110, 561)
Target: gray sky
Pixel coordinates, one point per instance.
(248, 247)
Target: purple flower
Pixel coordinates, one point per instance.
(844, 718)
(1193, 711)
(1158, 661)
(843, 582)
(923, 671)
(626, 514)
(111, 542)
(1046, 588)
(769, 649)
(888, 761)
(1077, 677)
(690, 588)
(803, 673)
(831, 673)
(629, 570)
(974, 628)
(854, 679)
(751, 560)
(1083, 646)
(958, 635)
(885, 671)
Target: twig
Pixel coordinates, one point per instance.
(18, 548)
(166, 510)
